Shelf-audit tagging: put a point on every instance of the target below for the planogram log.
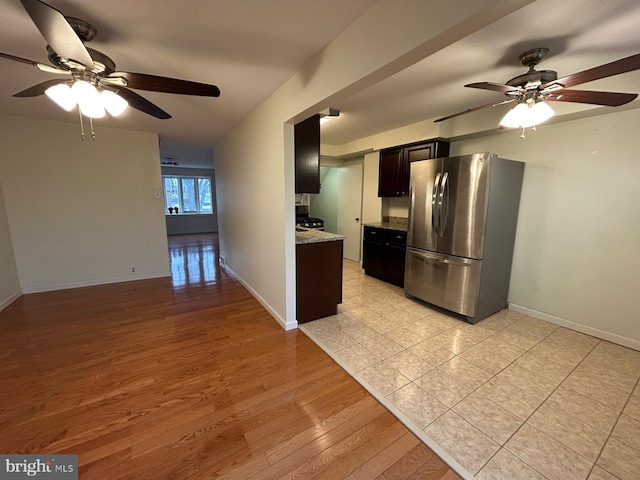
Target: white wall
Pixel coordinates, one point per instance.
(578, 241)
(81, 213)
(9, 282)
(254, 162)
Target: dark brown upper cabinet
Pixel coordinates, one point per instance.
(393, 173)
(307, 154)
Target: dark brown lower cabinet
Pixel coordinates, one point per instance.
(394, 264)
(383, 254)
(318, 279)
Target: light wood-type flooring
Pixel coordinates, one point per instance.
(189, 378)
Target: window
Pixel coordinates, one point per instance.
(187, 194)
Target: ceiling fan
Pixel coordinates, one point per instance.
(90, 74)
(531, 90)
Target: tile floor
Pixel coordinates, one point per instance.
(513, 397)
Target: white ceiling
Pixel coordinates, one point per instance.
(249, 48)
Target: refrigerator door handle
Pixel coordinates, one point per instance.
(412, 196)
(435, 219)
(437, 259)
(444, 203)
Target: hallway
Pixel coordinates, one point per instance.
(193, 259)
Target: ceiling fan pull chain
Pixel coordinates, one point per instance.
(93, 134)
(81, 125)
(522, 136)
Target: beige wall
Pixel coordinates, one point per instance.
(371, 203)
(254, 162)
(9, 282)
(81, 213)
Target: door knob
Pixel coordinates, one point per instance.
(357, 219)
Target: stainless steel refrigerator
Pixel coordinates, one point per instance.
(462, 224)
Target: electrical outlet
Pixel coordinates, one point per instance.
(133, 269)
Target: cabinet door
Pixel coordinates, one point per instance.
(391, 173)
(307, 155)
(420, 152)
(440, 149)
(394, 265)
(373, 253)
(427, 151)
(318, 280)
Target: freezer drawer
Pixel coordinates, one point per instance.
(452, 283)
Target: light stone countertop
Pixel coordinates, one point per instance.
(314, 236)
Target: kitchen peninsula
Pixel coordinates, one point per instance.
(318, 274)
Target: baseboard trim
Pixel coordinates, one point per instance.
(563, 322)
(263, 302)
(10, 299)
(93, 283)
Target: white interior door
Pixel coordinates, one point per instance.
(350, 209)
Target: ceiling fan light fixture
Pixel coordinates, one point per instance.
(514, 116)
(88, 99)
(541, 112)
(84, 92)
(92, 110)
(62, 95)
(113, 103)
(525, 115)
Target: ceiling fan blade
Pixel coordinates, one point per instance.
(38, 89)
(140, 103)
(40, 66)
(623, 65)
(57, 32)
(495, 104)
(142, 81)
(610, 99)
(496, 87)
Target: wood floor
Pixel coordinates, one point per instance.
(189, 379)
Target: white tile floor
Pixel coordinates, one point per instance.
(512, 397)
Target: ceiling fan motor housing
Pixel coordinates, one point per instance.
(102, 64)
(84, 30)
(533, 78)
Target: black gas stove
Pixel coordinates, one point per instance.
(310, 222)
